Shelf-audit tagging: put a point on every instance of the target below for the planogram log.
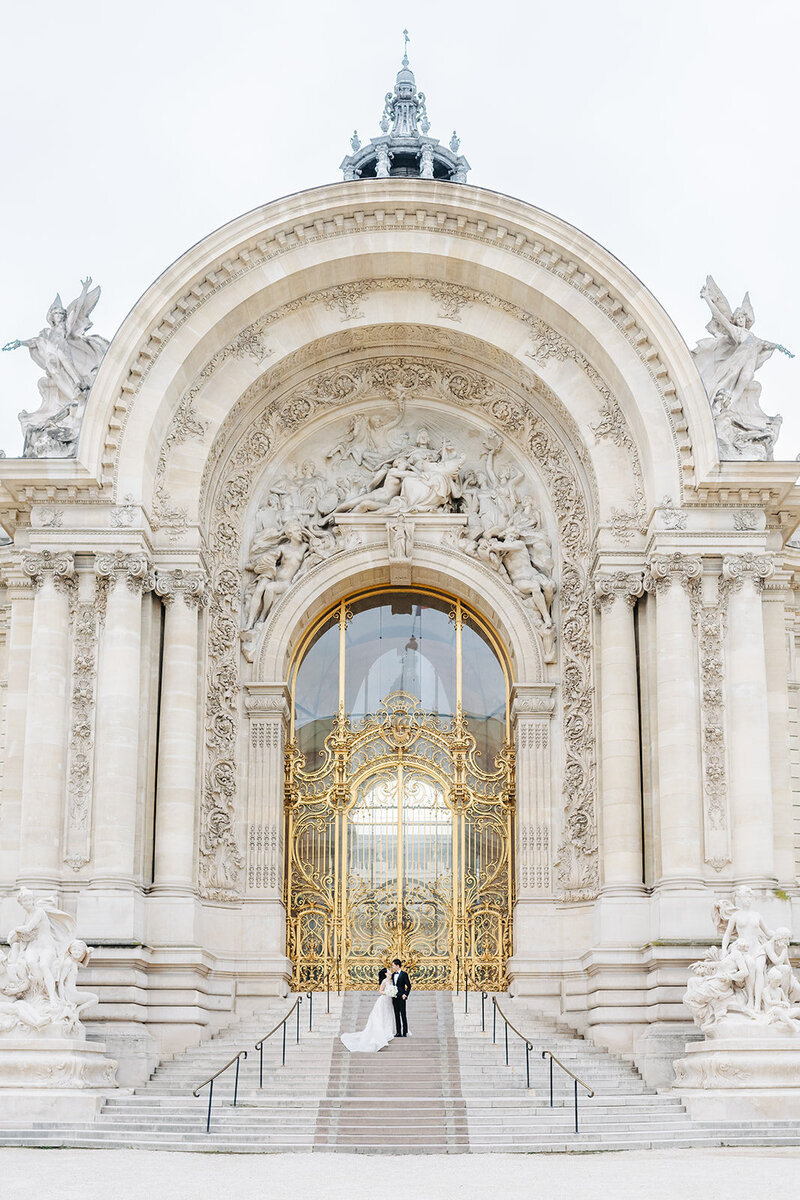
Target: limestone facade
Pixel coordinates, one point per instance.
(656, 730)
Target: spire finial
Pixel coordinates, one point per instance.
(406, 40)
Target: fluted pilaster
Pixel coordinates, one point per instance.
(620, 773)
(183, 594)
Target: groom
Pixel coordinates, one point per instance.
(403, 984)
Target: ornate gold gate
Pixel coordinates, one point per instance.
(399, 844)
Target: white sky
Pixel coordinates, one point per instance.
(667, 131)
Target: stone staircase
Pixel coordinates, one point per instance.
(446, 1089)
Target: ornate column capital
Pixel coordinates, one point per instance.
(61, 566)
(134, 567)
(663, 570)
(189, 585)
(736, 568)
(619, 585)
(267, 700)
(533, 700)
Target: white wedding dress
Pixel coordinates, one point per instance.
(378, 1031)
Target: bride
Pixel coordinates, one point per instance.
(379, 1029)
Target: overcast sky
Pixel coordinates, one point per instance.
(667, 131)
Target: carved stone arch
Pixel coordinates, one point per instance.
(254, 431)
(264, 257)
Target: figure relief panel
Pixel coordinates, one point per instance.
(411, 471)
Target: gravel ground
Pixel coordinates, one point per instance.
(636, 1175)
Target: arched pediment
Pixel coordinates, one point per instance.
(377, 253)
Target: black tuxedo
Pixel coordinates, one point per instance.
(403, 985)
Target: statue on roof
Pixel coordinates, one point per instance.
(70, 357)
(727, 362)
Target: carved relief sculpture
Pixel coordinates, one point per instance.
(727, 362)
(70, 358)
(297, 526)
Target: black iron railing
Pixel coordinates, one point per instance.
(242, 1055)
(237, 1059)
(576, 1082)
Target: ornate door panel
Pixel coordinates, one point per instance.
(399, 845)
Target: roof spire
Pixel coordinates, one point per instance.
(405, 149)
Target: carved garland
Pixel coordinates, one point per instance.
(220, 856)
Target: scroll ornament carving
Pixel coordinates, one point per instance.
(38, 975)
(748, 982)
(663, 571)
(277, 420)
(134, 568)
(711, 623)
(621, 585)
(81, 746)
(49, 564)
(190, 586)
(736, 568)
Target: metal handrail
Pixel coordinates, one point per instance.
(259, 1046)
(236, 1059)
(545, 1053)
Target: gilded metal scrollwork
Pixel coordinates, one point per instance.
(399, 844)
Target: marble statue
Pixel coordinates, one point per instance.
(38, 974)
(368, 471)
(748, 980)
(727, 362)
(70, 358)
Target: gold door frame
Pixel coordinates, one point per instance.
(399, 737)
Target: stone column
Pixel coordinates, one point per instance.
(267, 706)
(620, 766)
(680, 818)
(120, 698)
(183, 594)
(748, 720)
(21, 595)
(45, 754)
(531, 715)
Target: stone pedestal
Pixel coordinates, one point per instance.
(746, 1074)
(52, 1079)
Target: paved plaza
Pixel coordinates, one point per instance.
(656, 1174)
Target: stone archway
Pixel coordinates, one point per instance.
(238, 465)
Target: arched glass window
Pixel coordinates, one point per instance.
(428, 645)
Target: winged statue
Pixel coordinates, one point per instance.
(727, 362)
(70, 357)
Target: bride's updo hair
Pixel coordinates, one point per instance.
(382, 974)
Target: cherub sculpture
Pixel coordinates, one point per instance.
(727, 362)
(70, 358)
